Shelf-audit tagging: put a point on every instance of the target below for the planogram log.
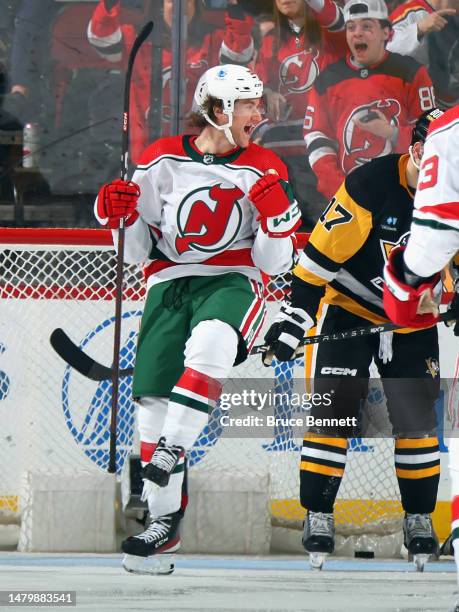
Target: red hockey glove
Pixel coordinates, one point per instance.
(279, 212)
(403, 303)
(117, 200)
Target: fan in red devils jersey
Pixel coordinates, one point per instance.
(364, 105)
(370, 215)
(207, 46)
(204, 216)
(306, 38)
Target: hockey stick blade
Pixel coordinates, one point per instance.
(75, 357)
(356, 332)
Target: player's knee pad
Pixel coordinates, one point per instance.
(212, 348)
(151, 416)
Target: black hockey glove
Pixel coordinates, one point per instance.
(286, 333)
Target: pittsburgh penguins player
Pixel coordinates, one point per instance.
(337, 285)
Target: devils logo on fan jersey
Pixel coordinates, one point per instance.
(359, 146)
(299, 71)
(209, 219)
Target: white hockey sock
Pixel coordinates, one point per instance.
(151, 417)
(191, 400)
(209, 356)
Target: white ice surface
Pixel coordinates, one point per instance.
(235, 583)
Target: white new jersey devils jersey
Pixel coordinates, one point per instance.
(195, 217)
(435, 230)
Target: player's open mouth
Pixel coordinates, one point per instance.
(248, 129)
(361, 47)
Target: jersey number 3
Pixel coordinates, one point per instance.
(334, 214)
(428, 176)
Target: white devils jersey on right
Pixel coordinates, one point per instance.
(195, 218)
(434, 239)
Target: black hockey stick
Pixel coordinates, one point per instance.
(144, 33)
(87, 366)
(75, 357)
(355, 332)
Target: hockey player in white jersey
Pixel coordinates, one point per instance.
(204, 216)
(412, 274)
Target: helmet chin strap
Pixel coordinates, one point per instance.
(224, 128)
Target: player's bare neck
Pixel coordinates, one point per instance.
(412, 174)
(213, 141)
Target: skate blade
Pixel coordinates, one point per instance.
(420, 560)
(455, 605)
(317, 559)
(155, 565)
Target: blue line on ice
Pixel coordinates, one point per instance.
(231, 563)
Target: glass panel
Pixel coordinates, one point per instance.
(62, 70)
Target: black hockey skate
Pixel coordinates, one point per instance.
(318, 537)
(162, 463)
(150, 551)
(419, 538)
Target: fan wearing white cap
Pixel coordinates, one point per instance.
(368, 30)
(204, 216)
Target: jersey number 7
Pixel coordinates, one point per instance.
(334, 214)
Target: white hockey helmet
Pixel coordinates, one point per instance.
(228, 83)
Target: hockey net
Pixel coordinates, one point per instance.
(55, 420)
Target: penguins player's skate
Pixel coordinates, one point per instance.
(150, 551)
(419, 539)
(318, 537)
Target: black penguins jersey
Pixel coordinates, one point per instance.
(346, 252)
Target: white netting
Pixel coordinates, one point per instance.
(53, 419)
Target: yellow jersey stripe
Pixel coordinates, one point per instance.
(416, 474)
(416, 442)
(339, 442)
(325, 470)
(308, 276)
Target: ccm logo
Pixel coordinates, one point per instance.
(339, 371)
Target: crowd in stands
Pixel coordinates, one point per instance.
(344, 83)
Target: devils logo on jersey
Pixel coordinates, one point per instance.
(299, 71)
(360, 145)
(208, 219)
